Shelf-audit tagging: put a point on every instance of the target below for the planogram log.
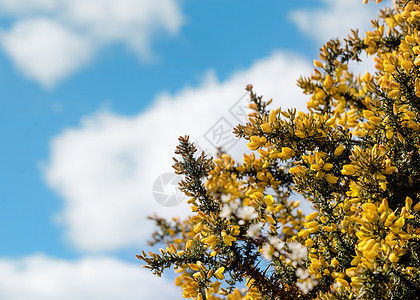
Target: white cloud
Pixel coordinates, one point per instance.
(24, 7)
(336, 19)
(56, 25)
(45, 50)
(132, 22)
(39, 277)
(105, 169)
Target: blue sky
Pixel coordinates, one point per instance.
(93, 97)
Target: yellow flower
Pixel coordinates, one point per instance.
(389, 68)
(400, 222)
(312, 216)
(375, 120)
(342, 282)
(309, 242)
(215, 286)
(327, 167)
(303, 233)
(331, 178)
(210, 241)
(269, 200)
(347, 170)
(219, 273)
(328, 82)
(368, 114)
(227, 239)
(393, 257)
(266, 127)
(335, 262)
(297, 170)
(312, 224)
(339, 150)
(318, 64)
(189, 244)
(315, 167)
(257, 142)
(287, 153)
(273, 116)
(408, 203)
(330, 121)
(270, 219)
(327, 228)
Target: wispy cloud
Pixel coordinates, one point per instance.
(105, 169)
(49, 40)
(45, 50)
(335, 19)
(39, 277)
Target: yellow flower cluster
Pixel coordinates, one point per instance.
(355, 156)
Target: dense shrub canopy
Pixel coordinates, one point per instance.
(355, 156)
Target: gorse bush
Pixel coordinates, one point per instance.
(355, 156)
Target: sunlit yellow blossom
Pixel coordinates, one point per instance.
(266, 127)
(353, 157)
(219, 273)
(312, 216)
(339, 150)
(228, 239)
(347, 170)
